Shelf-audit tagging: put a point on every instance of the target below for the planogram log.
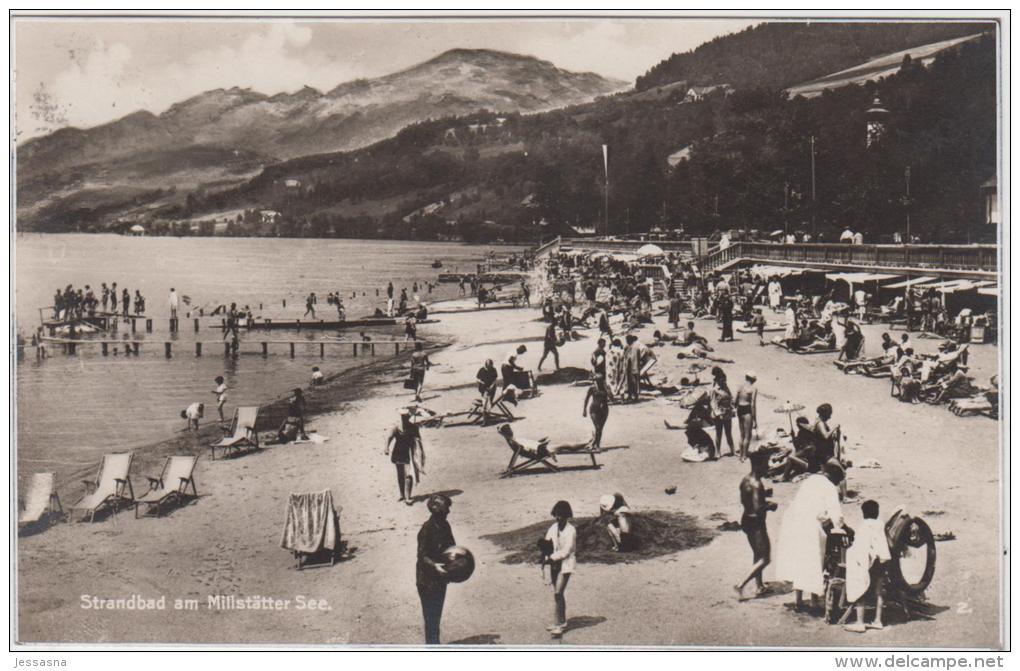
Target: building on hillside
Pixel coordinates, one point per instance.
(270, 216)
(136, 230)
(696, 93)
(292, 183)
(677, 157)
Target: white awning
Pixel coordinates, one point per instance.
(770, 271)
(909, 283)
(859, 278)
(966, 285)
(989, 291)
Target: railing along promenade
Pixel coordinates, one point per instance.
(960, 260)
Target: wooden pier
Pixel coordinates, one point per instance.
(133, 347)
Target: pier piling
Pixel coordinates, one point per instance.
(226, 349)
(134, 324)
(196, 324)
(198, 348)
(106, 348)
(292, 350)
(166, 349)
(135, 347)
(148, 326)
(322, 349)
(265, 349)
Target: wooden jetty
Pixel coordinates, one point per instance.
(320, 324)
(133, 347)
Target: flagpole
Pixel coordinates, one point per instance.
(605, 163)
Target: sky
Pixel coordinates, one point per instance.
(84, 72)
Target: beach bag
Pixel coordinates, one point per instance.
(409, 383)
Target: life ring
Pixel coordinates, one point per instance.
(910, 540)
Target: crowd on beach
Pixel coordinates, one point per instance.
(616, 300)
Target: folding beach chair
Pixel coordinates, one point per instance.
(242, 436)
(41, 501)
(498, 410)
(528, 453)
(110, 489)
(172, 485)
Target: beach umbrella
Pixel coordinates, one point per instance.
(650, 250)
(789, 408)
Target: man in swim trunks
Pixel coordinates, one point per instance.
(754, 498)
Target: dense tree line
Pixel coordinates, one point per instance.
(777, 55)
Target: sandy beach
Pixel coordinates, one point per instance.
(944, 468)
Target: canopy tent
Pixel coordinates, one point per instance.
(624, 256)
(760, 271)
(909, 283)
(650, 250)
(989, 291)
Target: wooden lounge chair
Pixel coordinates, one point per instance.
(498, 411)
(42, 501)
(528, 453)
(242, 436)
(172, 484)
(111, 488)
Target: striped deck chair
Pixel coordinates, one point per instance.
(110, 489)
(41, 500)
(172, 485)
(242, 436)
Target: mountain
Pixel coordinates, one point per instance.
(258, 129)
(745, 164)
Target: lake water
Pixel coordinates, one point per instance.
(72, 409)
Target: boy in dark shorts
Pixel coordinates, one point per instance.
(754, 497)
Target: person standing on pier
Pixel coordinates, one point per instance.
(173, 303)
(310, 305)
(113, 297)
(106, 296)
(139, 302)
(126, 302)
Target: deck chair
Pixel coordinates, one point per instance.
(242, 436)
(42, 501)
(172, 485)
(111, 488)
(498, 410)
(528, 453)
